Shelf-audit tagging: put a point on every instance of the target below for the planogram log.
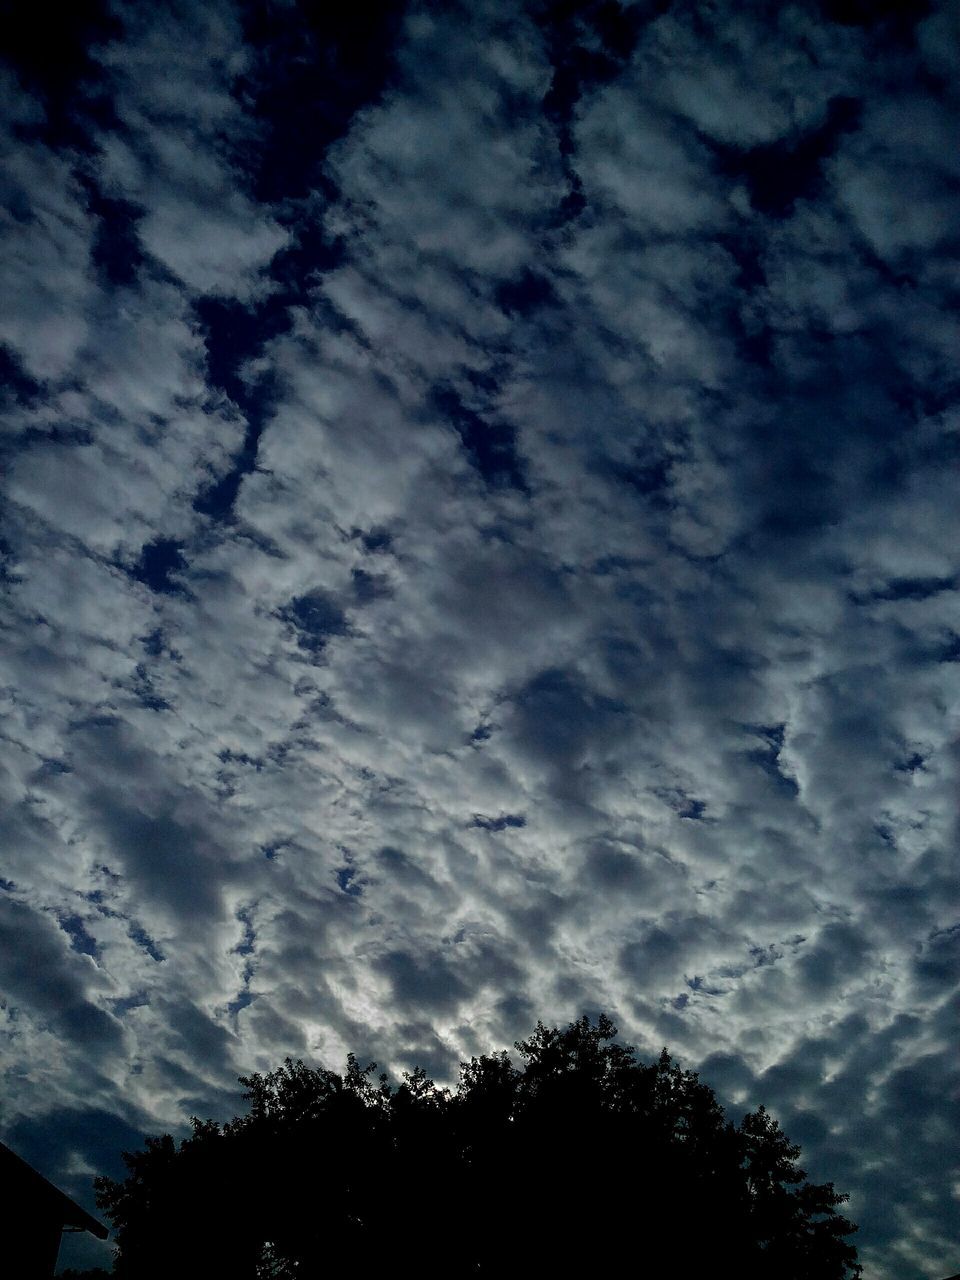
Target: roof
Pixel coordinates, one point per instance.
(20, 1179)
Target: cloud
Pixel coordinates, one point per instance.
(480, 545)
(38, 970)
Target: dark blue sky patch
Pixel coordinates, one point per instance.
(233, 335)
(243, 999)
(315, 66)
(755, 339)
(885, 833)
(699, 984)
(376, 540)
(574, 67)
(572, 204)
(683, 805)
(500, 823)
(772, 734)
(123, 1004)
(154, 643)
(692, 809)
(297, 267)
(746, 247)
(217, 499)
(347, 881)
(81, 939)
(949, 651)
(568, 28)
(51, 1144)
(247, 943)
(116, 251)
(49, 46)
(767, 757)
(8, 572)
(488, 442)
(526, 294)
(65, 433)
(908, 589)
(619, 26)
(143, 940)
(897, 17)
(227, 756)
(144, 690)
(16, 385)
(778, 174)
(157, 562)
(315, 617)
(589, 43)
(51, 767)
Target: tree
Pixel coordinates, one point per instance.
(581, 1159)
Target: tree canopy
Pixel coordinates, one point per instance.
(579, 1160)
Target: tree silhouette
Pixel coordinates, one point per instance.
(580, 1160)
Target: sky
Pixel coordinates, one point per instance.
(480, 543)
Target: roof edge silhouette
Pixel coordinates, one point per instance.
(72, 1216)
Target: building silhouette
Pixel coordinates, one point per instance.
(33, 1215)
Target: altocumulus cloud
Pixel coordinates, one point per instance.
(480, 542)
